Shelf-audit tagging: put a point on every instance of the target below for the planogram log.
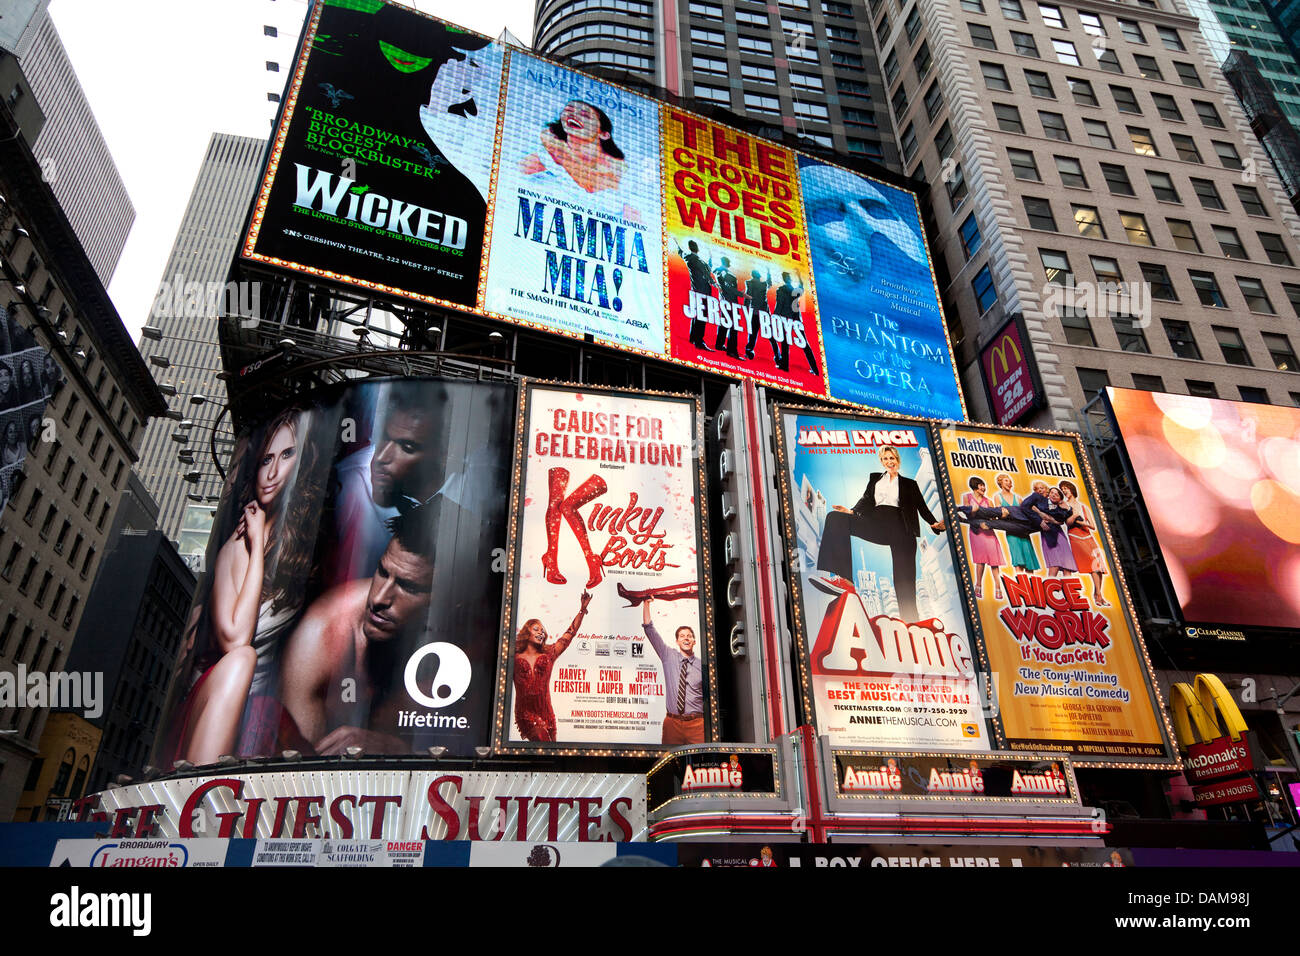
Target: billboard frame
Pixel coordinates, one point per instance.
(501, 742)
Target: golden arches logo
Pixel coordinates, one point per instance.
(998, 353)
(1197, 708)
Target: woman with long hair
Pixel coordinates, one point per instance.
(581, 142)
(13, 451)
(534, 661)
(985, 548)
(1083, 543)
(257, 586)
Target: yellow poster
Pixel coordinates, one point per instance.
(1067, 663)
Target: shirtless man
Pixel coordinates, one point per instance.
(354, 632)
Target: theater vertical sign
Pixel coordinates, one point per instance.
(1071, 672)
(607, 640)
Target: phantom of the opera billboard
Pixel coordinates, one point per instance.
(886, 658)
(1070, 669)
(353, 591)
(419, 160)
(608, 636)
(1220, 482)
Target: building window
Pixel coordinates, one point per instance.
(1012, 10)
(758, 45)
(30, 514)
(1078, 330)
(1088, 221)
(1125, 100)
(1039, 212)
(1129, 333)
(913, 25)
(1143, 142)
(1228, 156)
(1040, 84)
(1275, 248)
(1071, 172)
(957, 188)
(713, 94)
(971, 240)
(1147, 67)
(1181, 340)
(1023, 165)
(981, 36)
(1082, 91)
(1052, 16)
(1065, 53)
(1256, 298)
(1024, 44)
(985, 292)
(1251, 202)
(1258, 396)
(995, 77)
(708, 37)
(1207, 289)
(1106, 269)
(1008, 118)
(1108, 61)
(1184, 235)
(1208, 113)
(1187, 75)
(1207, 194)
(933, 100)
(1201, 389)
(1056, 267)
(908, 143)
(1170, 38)
(1157, 278)
(1167, 107)
(943, 141)
(1230, 242)
(1230, 343)
(1280, 351)
(762, 104)
(1098, 134)
(1162, 185)
(1054, 126)
(899, 101)
(1135, 225)
(1092, 24)
(1093, 381)
(1148, 383)
(1185, 147)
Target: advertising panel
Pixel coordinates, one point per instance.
(878, 305)
(736, 262)
(855, 857)
(608, 549)
(995, 777)
(291, 811)
(576, 241)
(886, 659)
(1221, 485)
(28, 377)
(1010, 375)
(351, 600)
(731, 772)
(379, 172)
(1070, 670)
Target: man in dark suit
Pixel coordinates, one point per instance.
(702, 283)
(887, 513)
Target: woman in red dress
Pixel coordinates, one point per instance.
(534, 661)
(1084, 544)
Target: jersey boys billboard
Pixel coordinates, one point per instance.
(886, 657)
(405, 141)
(608, 636)
(1071, 673)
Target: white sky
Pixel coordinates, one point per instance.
(163, 75)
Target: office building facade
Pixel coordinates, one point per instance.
(804, 67)
(180, 339)
(75, 160)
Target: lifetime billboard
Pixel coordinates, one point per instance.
(352, 597)
(419, 160)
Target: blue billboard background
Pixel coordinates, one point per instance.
(880, 317)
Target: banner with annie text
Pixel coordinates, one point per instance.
(886, 659)
(1070, 669)
(607, 639)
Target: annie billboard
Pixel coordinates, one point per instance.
(351, 600)
(421, 161)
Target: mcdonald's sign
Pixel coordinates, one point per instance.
(1219, 748)
(1010, 374)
